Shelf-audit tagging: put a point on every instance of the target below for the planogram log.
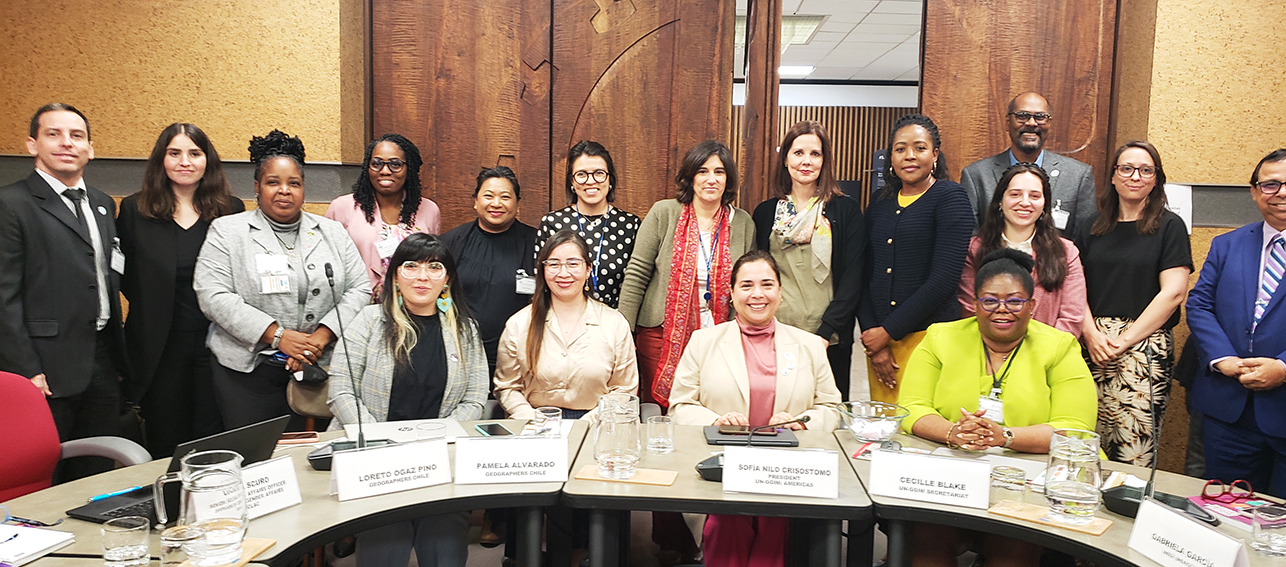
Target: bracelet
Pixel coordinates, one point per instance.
(276, 337)
(952, 444)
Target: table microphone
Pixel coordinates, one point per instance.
(800, 419)
(712, 468)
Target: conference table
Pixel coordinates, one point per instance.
(1108, 550)
(817, 520)
(320, 518)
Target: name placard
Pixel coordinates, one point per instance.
(391, 468)
(1170, 538)
(929, 478)
(270, 486)
(786, 472)
(516, 459)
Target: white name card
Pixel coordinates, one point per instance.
(270, 486)
(391, 468)
(930, 478)
(511, 459)
(1170, 538)
(786, 472)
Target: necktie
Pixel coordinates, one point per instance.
(1274, 267)
(77, 195)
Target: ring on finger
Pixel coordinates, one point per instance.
(308, 353)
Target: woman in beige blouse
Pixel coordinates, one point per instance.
(565, 349)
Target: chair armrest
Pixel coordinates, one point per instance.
(118, 449)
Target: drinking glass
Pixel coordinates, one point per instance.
(125, 542)
(1008, 483)
(1072, 477)
(1268, 525)
(178, 542)
(548, 422)
(431, 430)
(660, 435)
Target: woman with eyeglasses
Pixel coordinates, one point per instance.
(999, 379)
(1020, 217)
(609, 231)
(386, 204)
(1137, 261)
(566, 349)
(416, 354)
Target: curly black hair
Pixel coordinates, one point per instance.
(364, 192)
(1006, 262)
(276, 144)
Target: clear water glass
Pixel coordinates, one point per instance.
(1008, 483)
(430, 431)
(548, 422)
(660, 435)
(221, 544)
(178, 542)
(125, 542)
(1268, 527)
(1073, 476)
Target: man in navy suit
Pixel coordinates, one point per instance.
(60, 318)
(1238, 324)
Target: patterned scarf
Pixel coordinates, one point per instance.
(683, 298)
(808, 226)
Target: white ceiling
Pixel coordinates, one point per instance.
(860, 40)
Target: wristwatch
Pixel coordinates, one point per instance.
(1009, 437)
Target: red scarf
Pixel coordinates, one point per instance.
(683, 299)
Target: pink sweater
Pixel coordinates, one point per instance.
(1063, 309)
(365, 235)
(761, 368)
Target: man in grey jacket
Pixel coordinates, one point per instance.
(1071, 182)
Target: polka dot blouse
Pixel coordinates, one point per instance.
(611, 241)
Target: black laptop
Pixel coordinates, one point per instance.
(254, 443)
(783, 438)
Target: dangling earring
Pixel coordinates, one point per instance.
(397, 296)
(444, 300)
(934, 168)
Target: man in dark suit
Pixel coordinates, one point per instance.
(1238, 324)
(1071, 182)
(59, 312)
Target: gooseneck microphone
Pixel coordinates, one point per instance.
(348, 360)
(751, 436)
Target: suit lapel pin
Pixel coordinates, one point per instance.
(102, 211)
(1053, 173)
(453, 357)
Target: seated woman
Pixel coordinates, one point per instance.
(564, 350)
(1028, 377)
(417, 355)
(753, 371)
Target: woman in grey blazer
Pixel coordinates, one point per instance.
(416, 354)
(274, 282)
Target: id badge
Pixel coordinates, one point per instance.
(271, 264)
(525, 284)
(386, 247)
(994, 407)
(118, 257)
(1060, 216)
(274, 283)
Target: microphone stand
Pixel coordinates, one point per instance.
(750, 438)
(352, 378)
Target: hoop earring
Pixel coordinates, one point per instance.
(444, 300)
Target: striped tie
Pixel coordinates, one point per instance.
(1274, 267)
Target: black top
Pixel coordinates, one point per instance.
(1123, 267)
(848, 249)
(187, 244)
(610, 237)
(917, 254)
(417, 389)
(488, 265)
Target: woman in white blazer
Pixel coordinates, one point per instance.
(753, 371)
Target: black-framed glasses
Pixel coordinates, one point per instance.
(991, 304)
(1126, 171)
(412, 269)
(583, 177)
(394, 165)
(1023, 116)
(1269, 187)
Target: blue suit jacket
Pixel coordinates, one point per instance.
(1220, 309)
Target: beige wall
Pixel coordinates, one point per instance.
(1218, 78)
(236, 68)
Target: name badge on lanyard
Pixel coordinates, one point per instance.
(274, 273)
(993, 405)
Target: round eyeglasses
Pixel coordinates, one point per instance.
(412, 269)
(583, 177)
(394, 165)
(1127, 171)
(991, 304)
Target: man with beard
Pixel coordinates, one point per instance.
(1071, 182)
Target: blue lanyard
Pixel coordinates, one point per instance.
(598, 251)
(709, 258)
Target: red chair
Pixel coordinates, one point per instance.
(30, 441)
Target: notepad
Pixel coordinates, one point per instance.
(19, 545)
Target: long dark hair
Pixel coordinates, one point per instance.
(893, 183)
(399, 332)
(591, 148)
(827, 187)
(364, 193)
(692, 163)
(541, 300)
(212, 198)
(1109, 201)
(1051, 257)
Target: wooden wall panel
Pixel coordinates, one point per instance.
(856, 133)
(979, 55)
(648, 80)
(468, 82)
